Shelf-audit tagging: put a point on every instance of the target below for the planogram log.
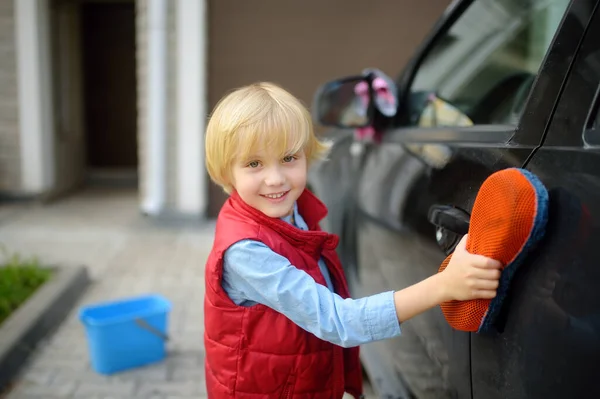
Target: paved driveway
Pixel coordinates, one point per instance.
(126, 254)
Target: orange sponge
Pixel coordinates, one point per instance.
(508, 219)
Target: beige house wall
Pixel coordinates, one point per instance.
(142, 64)
(10, 153)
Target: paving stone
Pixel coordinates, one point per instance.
(100, 396)
(38, 375)
(26, 389)
(187, 342)
(188, 374)
(74, 353)
(155, 372)
(66, 375)
(74, 363)
(187, 388)
(199, 396)
(113, 388)
(186, 358)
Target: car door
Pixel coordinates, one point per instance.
(550, 345)
(477, 99)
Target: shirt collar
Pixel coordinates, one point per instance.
(298, 221)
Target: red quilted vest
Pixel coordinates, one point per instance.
(255, 352)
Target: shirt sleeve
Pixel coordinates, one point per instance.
(253, 273)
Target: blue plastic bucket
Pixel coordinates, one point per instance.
(125, 334)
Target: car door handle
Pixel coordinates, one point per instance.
(451, 223)
(450, 218)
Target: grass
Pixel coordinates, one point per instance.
(19, 278)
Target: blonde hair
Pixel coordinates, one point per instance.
(261, 115)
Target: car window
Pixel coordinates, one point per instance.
(482, 69)
(591, 134)
(596, 124)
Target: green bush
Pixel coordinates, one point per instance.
(19, 278)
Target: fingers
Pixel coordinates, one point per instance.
(484, 294)
(484, 288)
(485, 274)
(462, 244)
(483, 262)
(486, 285)
(480, 261)
(475, 276)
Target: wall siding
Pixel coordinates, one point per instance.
(10, 150)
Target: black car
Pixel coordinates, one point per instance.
(497, 84)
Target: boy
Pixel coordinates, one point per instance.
(279, 322)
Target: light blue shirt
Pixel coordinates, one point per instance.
(253, 273)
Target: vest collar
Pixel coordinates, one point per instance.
(312, 210)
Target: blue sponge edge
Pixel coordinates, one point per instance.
(537, 233)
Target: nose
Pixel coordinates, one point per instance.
(274, 177)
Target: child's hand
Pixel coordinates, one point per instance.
(470, 276)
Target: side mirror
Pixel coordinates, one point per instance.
(343, 103)
(354, 102)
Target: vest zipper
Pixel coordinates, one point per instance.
(288, 389)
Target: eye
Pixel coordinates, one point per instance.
(253, 164)
(288, 158)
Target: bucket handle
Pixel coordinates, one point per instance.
(146, 326)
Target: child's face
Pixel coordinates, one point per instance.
(270, 183)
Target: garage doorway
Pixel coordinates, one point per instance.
(109, 79)
(93, 53)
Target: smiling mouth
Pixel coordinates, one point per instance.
(275, 195)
